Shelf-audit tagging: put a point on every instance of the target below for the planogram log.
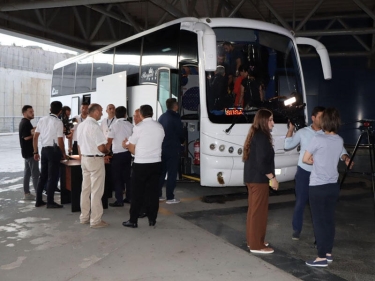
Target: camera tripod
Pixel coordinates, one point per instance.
(368, 132)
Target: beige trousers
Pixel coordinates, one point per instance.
(93, 173)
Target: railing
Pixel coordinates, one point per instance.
(9, 124)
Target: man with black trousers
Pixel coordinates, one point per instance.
(145, 143)
(26, 133)
(121, 159)
(50, 129)
(171, 122)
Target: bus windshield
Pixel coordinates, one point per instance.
(256, 69)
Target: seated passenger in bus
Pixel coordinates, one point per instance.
(252, 93)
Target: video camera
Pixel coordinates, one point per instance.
(293, 113)
(67, 123)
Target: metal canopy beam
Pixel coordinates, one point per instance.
(100, 23)
(129, 19)
(365, 8)
(360, 41)
(219, 10)
(79, 21)
(113, 33)
(162, 19)
(52, 18)
(168, 8)
(108, 14)
(184, 7)
(333, 32)
(191, 7)
(236, 8)
(42, 4)
(257, 10)
(276, 14)
(206, 8)
(302, 23)
(40, 18)
(41, 28)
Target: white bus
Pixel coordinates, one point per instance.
(178, 59)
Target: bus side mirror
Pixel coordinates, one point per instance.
(209, 46)
(322, 52)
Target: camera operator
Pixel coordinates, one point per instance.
(73, 146)
(303, 138)
(68, 124)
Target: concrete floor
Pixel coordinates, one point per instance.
(192, 240)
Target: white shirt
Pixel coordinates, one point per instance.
(120, 130)
(106, 125)
(50, 129)
(147, 137)
(90, 136)
(79, 119)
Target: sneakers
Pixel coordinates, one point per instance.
(101, 224)
(28, 196)
(295, 235)
(161, 198)
(263, 251)
(329, 258)
(173, 201)
(315, 263)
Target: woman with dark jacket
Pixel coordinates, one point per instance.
(259, 173)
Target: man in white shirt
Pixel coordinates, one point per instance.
(92, 150)
(108, 121)
(50, 129)
(121, 159)
(73, 145)
(136, 117)
(145, 143)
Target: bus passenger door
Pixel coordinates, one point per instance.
(189, 105)
(163, 91)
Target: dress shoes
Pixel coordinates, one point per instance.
(40, 204)
(142, 215)
(151, 223)
(54, 205)
(126, 201)
(130, 224)
(116, 204)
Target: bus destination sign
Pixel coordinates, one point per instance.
(233, 111)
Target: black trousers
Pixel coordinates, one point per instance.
(75, 148)
(120, 168)
(323, 199)
(50, 165)
(145, 187)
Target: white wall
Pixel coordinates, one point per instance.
(25, 78)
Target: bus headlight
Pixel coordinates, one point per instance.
(239, 151)
(231, 149)
(212, 146)
(222, 147)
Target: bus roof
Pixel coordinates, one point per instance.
(212, 22)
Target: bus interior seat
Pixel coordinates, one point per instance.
(190, 103)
